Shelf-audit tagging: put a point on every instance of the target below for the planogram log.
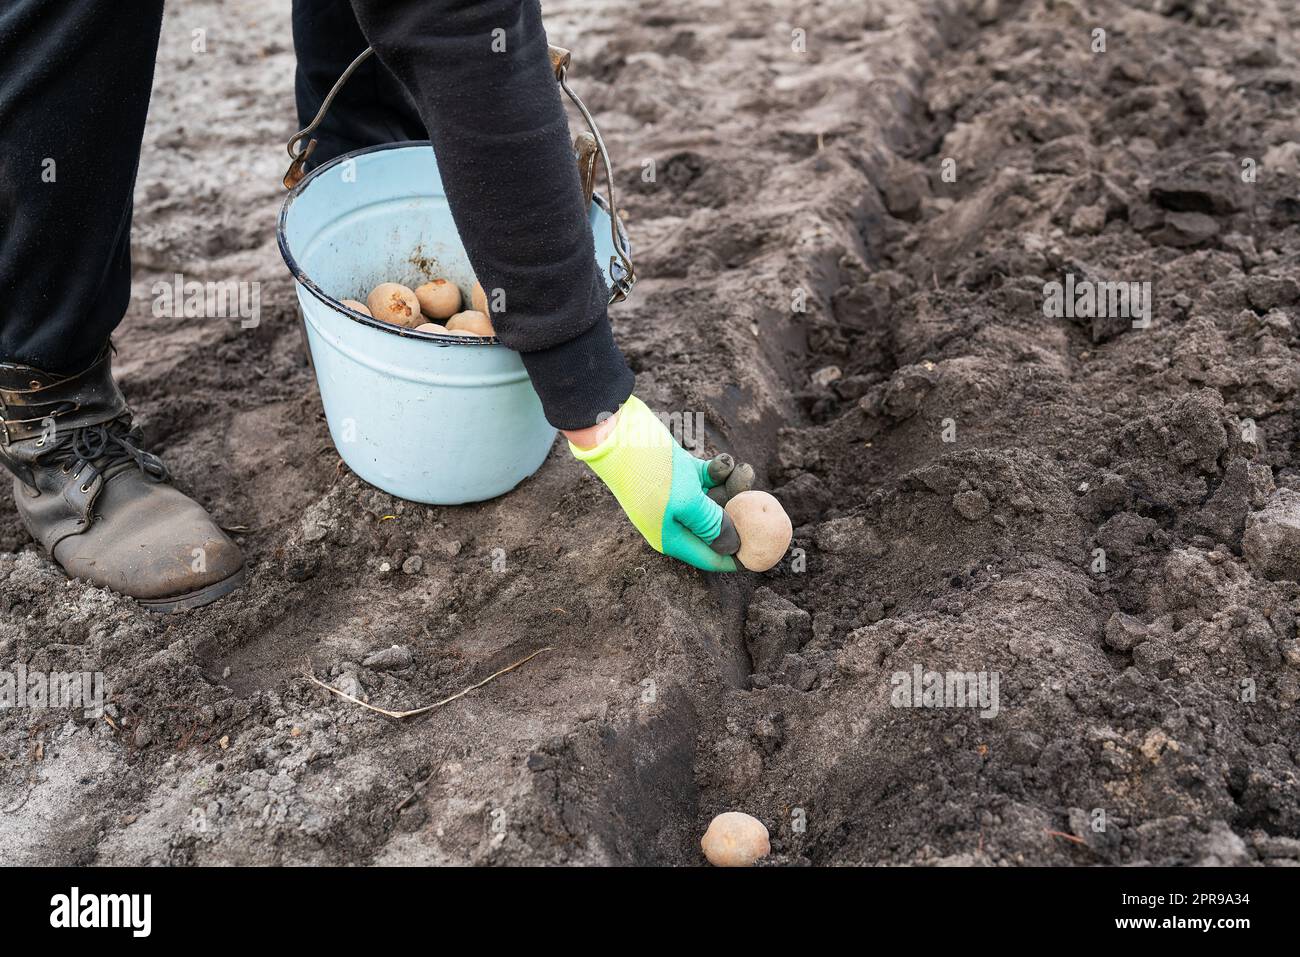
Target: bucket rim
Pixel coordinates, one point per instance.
(300, 275)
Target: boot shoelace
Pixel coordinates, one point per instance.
(92, 443)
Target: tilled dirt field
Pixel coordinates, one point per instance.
(854, 212)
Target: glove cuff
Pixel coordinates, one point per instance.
(637, 427)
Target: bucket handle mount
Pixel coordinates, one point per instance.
(587, 146)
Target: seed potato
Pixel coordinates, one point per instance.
(395, 303)
(439, 299)
(764, 529)
(735, 839)
(471, 321)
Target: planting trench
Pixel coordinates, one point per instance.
(952, 459)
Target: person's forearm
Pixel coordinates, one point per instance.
(481, 77)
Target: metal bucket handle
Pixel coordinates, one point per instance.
(586, 146)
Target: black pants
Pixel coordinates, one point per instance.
(75, 77)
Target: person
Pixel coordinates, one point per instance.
(476, 80)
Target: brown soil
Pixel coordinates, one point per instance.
(954, 489)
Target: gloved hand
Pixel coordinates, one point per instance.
(663, 489)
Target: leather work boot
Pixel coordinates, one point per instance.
(97, 501)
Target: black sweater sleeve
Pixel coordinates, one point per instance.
(480, 74)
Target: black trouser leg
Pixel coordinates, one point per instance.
(75, 77)
(372, 108)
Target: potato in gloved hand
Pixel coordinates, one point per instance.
(763, 528)
(662, 488)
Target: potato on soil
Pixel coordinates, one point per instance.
(439, 299)
(395, 303)
(471, 321)
(360, 307)
(764, 529)
(735, 839)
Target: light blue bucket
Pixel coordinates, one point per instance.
(430, 418)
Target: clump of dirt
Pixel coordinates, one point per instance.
(847, 218)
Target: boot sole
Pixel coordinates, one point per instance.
(195, 599)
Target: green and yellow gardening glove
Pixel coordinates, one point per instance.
(663, 489)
